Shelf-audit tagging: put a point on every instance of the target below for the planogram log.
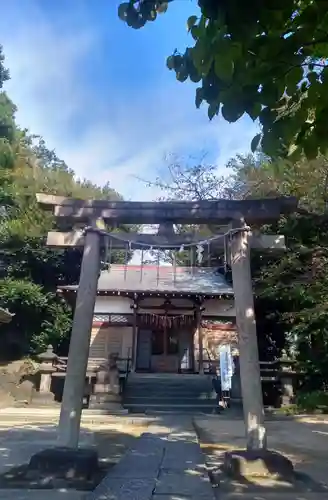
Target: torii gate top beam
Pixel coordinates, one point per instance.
(177, 212)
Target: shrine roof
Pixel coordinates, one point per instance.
(150, 278)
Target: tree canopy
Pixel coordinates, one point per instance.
(29, 271)
(290, 289)
(265, 59)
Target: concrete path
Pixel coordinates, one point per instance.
(166, 463)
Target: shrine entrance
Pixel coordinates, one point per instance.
(165, 344)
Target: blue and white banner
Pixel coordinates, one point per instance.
(226, 367)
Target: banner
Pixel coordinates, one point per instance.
(226, 367)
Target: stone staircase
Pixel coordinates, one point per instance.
(169, 393)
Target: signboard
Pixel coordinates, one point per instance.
(226, 367)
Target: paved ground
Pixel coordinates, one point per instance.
(304, 440)
(25, 432)
(166, 463)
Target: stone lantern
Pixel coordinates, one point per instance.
(286, 376)
(47, 368)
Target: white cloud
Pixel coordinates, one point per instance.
(119, 139)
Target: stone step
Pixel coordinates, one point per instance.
(164, 383)
(168, 400)
(169, 394)
(175, 408)
(108, 407)
(162, 388)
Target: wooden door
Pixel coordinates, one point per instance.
(143, 350)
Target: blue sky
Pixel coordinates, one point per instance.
(100, 94)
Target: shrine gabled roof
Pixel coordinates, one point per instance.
(150, 278)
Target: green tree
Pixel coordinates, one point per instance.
(29, 271)
(40, 318)
(265, 59)
(290, 289)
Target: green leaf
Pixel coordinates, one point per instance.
(231, 111)
(293, 78)
(195, 32)
(324, 75)
(152, 15)
(162, 7)
(182, 74)
(213, 110)
(255, 142)
(270, 144)
(199, 97)
(312, 77)
(178, 62)
(224, 67)
(195, 76)
(170, 62)
(270, 94)
(123, 10)
(310, 146)
(267, 117)
(191, 22)
(254, 111)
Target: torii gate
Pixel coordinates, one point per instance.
(238, 214)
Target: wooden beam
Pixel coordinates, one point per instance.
(76, 239)
(178, 212)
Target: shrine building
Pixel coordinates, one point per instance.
(161, 319)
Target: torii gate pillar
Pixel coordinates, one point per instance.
(72, 403)
(248, 349)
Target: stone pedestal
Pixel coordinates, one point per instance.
(65, 463)
(257, 463)
(106, 391)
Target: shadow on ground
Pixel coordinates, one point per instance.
(301, 440)
(166, 461)
(19, 442)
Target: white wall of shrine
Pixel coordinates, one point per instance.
(112, 339)
(113, 305)
(122, 305)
